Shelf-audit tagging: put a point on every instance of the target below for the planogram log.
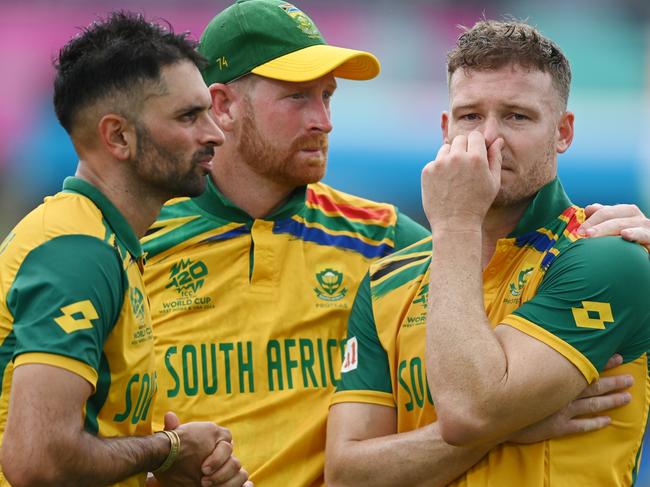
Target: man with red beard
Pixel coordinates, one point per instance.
(252, 283)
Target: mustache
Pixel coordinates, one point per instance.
(311, 142)
(201, 154)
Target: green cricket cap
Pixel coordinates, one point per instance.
(277, 40)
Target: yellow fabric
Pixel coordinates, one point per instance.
(570, 353)
(259, 353)
(399, 315)
(129, 356)
(79, 368)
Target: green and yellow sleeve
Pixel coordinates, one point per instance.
(65, 300)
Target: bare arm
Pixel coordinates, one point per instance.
(498, 389)
(45, 443)
(485, 383)
(363, 448)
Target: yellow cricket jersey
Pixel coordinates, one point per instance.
(250, 316)
(73, 297)
(585, 298)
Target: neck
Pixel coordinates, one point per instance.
(254, 193)
(498, 223)
(137, 204)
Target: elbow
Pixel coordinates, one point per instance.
(20, 469)
(464, 427)
(30, 476)
(334, 474)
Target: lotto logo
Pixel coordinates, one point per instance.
(351, 359)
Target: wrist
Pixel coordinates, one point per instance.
(457, 225)
(174, 451)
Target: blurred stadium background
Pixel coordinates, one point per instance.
(385, 129)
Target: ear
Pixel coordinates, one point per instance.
(444, 125)
(224, 109)
(117, 136)
(564, 132)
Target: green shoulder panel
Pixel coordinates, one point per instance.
(180, 220)
(400, 268)
(595, 298)
(408, 231)
(66, 298)
(365, 364)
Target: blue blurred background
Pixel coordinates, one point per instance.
(385, 129)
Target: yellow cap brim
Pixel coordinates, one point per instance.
(316, 61)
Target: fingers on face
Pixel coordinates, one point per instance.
(459, 144)
(476, 143)
(444, 150)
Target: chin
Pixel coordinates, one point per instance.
(191, 187)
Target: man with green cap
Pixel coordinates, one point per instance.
(252, 283)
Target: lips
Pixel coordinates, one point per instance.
(206, 165)
(203, 158)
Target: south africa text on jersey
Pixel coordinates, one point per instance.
(241, 367)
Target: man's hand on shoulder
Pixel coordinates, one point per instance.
(627, 221)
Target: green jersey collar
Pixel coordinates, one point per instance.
(214, 202)
(547, 204)
(115, 219)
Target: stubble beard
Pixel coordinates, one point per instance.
(163, 169)
(524, 187)
(275, 163)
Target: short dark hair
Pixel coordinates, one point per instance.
(115, 56)
(492, 44)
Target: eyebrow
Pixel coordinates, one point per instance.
(507, 106)
(193, 108)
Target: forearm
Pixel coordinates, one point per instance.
(82, 459)
(466, 364)
(418, 458)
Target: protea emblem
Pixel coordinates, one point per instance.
(329, 285)
(516, 289)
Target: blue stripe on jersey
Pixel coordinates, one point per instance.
(316, 235)
(548, 260)
(539, 241)
(236, 232)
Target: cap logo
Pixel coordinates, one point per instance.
(304, 23)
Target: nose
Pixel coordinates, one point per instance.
(491, 130)
(212, 134)
(320, 118)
